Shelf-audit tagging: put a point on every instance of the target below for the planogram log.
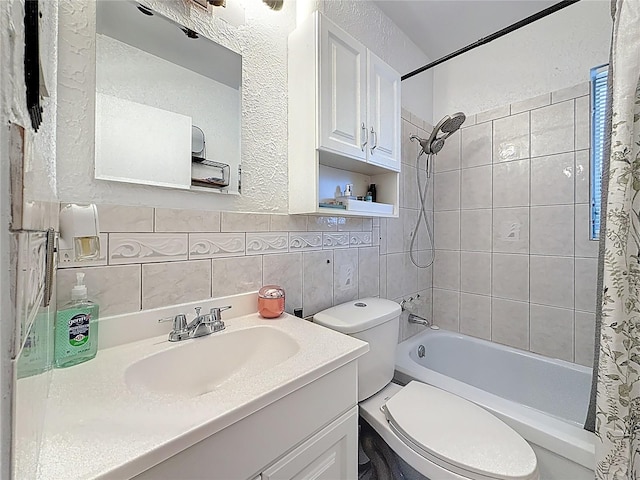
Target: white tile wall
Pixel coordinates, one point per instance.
(175, 282)
(317, 280)
(475, 272)
(345, 275)
(510, 276)
(475, 315)
(446, 308)
(522, 270)
(118, 218)
(476, 145)
(476, 187)
(446, 230)
(511, 184)
(116, 289)
(511, 138)
(531, 103)
(285, 270)
(551, 281)
(510, 323)
(172, 220)
(552, 129)
(493, 114)
(551, 230)
(476, 230)
(511, 230)
(447, 191)
(446, 270)
(552, 179)
(449, 157)
(235, 274)
(552, 331)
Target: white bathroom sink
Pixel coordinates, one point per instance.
(202, 365)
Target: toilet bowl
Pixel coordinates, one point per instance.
(439, 434)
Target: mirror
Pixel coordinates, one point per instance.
(167, 103)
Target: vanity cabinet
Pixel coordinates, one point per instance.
(329, 455)
(344, 121)
(311, 433)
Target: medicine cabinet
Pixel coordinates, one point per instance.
(168, 102)
(344, 123)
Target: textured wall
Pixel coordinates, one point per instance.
(262, 41)
(553, 53)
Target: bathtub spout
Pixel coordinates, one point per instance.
(419, 320)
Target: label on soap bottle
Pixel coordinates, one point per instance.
(79, 329)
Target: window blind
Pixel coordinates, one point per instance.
(598, 110)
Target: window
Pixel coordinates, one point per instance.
(598, 109)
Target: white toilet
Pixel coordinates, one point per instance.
(439, 434)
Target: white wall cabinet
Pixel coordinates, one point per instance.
(383, 93)
(344, 120)
(343, 93)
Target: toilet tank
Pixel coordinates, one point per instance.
(375, 321)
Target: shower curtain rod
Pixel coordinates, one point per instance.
(536, 16)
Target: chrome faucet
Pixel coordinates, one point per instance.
(418, 320)
(200, 326)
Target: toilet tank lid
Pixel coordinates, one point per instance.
(358, 315)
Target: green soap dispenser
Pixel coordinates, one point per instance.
(76, 330)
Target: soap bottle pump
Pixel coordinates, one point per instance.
(76, 329)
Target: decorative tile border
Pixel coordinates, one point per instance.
(305, 241)
(145, 248)
(335, 240)
(214, 245)
(360, 239)
(265, 243)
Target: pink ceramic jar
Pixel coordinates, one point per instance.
(271, 301)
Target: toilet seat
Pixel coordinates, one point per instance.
(452, 433)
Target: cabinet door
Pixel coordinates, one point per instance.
(343, 63)
(384, 114)
(331, 454)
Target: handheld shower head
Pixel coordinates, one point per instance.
(453, 123)
(448, 126)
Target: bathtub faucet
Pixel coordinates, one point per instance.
(419, 320)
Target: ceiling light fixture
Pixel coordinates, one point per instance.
(189, 33)
(274, 4)
(145, 10)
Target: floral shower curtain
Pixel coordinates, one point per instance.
(618, 384)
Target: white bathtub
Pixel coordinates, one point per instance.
(543, 399)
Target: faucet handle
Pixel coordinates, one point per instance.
(216, 313)
(179, 326)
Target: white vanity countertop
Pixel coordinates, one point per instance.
(97, 428)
